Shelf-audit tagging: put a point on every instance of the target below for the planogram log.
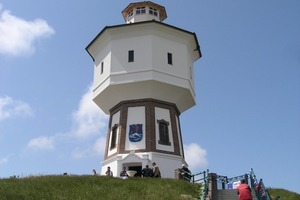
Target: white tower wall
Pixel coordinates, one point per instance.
(151, 42)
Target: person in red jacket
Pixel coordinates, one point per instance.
(244, 191)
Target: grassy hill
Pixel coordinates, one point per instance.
(284, 194)
(101, 187)
(93, 187)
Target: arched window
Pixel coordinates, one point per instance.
(163, 127)
(113, 141)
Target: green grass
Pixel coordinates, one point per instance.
(101, 187)
(284, 194)
(92, 187)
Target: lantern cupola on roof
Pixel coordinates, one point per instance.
(144, 11)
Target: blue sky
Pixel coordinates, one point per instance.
(247, 86)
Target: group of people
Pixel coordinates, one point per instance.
(146, 172)
(152, 172)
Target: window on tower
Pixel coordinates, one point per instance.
(102, 66)
(131, 56)
(130, 14)
(114, 136)
(163, 127)
(170, 59)
(140, 10)
(152, 11)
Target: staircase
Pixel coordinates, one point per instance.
(230, 195)
(218, 187)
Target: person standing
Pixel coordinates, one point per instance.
(186, 173)
(108, 172)
(94, 172)
(146, 172)
(124, 173)
(156, 171)
(244, 191)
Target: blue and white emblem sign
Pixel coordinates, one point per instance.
(135, 132)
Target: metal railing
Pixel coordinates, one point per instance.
(223, 182)
(260, 189)
(258, 186)
(201, 178)
(228, 183)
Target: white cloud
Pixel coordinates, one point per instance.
(3, 160)
(99, 146)
(195, 156)
(41, 143)
(88, 119)
(11, 108)
(97, 149)
(17, 36)
(88, 123)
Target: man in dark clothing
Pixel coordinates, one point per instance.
(186, 173)
(123, 173)
(146, 172)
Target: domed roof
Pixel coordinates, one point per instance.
(153, 9)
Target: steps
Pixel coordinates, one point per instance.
(230, 195)
(227, 195)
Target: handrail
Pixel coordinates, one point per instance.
(258, 186)
(224, 179)
(203, 190)
(260, 189)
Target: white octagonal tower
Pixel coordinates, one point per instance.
(143, 78)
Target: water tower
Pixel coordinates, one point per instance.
(143, 79)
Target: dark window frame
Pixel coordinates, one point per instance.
(163, 128)
(102, 67)
(140, 10)
(131, 56)
(153, 11)
(114, 131)
(170, 58)
(130, 14)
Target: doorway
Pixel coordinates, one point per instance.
(138, 170)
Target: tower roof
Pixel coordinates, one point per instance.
(197, 50)
(132, 6)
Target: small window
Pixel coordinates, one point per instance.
(163, 127)
(131, 56)
(152, 11)
(130, 14)
(114, 137)
(102, 66)
(170, 59)
(140, 10)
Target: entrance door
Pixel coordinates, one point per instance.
(138, 170)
